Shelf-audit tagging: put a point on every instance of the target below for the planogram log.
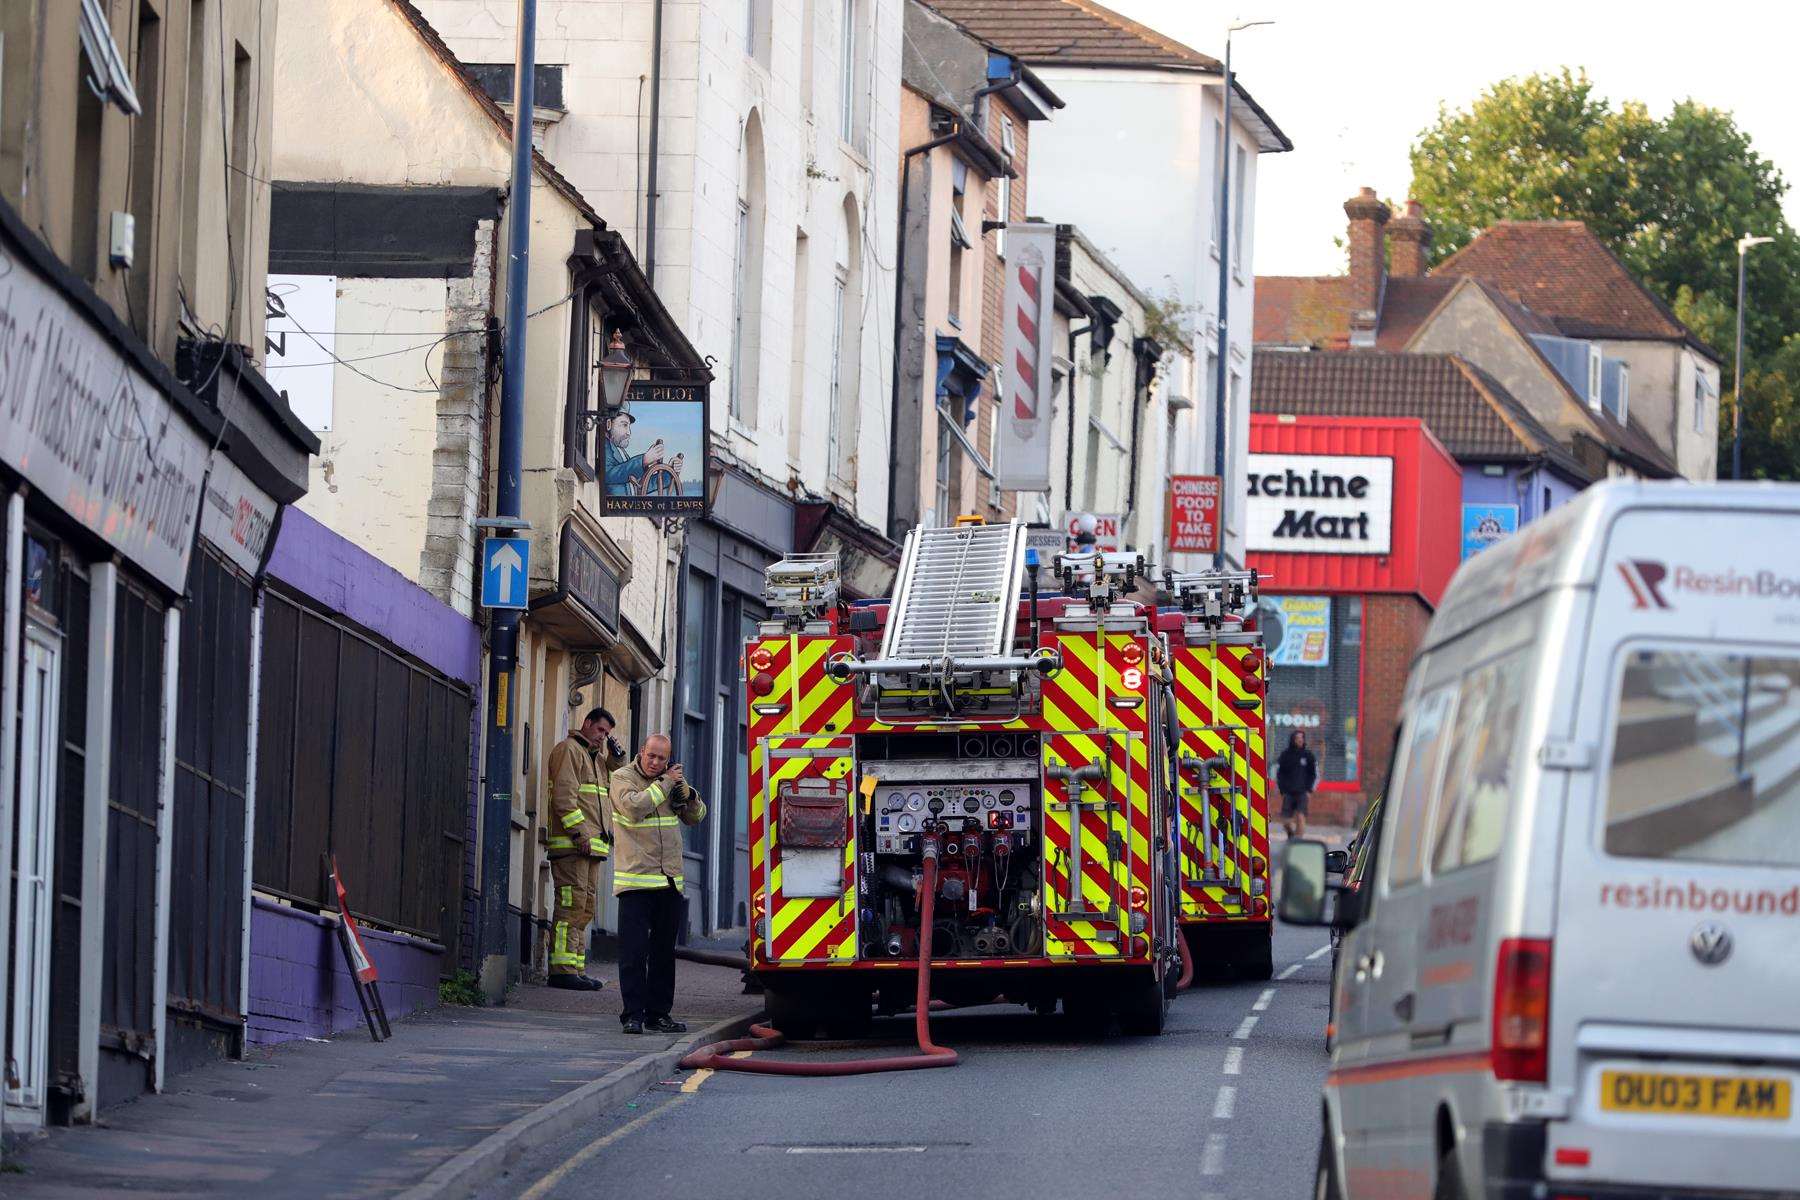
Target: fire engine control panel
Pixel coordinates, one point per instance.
(1000, 809)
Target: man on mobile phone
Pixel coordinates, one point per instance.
(651, 801)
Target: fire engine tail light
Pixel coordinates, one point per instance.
(1140, 899)
(1521, 1049)
(762, 683)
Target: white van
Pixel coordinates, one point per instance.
(1571, 967)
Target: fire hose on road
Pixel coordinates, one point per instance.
(714, 1056)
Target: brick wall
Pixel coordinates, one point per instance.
(1393, 626)
(993, 283)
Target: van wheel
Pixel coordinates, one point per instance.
(1449, 1178)
(1325, 1184)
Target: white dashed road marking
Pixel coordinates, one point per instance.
(1321, 952)
(1234, 1060)
(1225, 1103)
(1290, 972)
(1212, 1159)
(1243, 1030)
(1263, 1001)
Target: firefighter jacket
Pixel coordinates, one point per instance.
(647, 818)
(578, 811)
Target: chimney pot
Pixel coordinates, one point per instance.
(1368, 258)
(1411, 236)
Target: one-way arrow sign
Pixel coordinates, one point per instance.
(505, 572)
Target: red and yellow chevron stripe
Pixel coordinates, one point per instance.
(1218, 705)
(1095, 716)
(800, 720)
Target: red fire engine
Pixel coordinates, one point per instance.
(1222, 780)
(1005, 748)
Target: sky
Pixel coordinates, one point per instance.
(1352, 85)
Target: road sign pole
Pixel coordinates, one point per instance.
(494, 951)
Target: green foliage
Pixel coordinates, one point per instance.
(1771, 434)
(1169, 322)
(1670, 197)
(461, 988)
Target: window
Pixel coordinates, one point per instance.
(1624, 393)
(1241, 173)
(1701, 765)
(848, 17)
(846, 347)
(1700, 402)
(1546, 502)
(145, 166)
(1218, 177)
(498, 81)
(1427, 739)
(840, 286)
(959, 241)
(747, 279)
(756, 30)
(797, 355)
(992, 448)
(1315, 642)
(1478, 779)
(1009, 145)
(1593, 378)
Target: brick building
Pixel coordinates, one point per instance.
(1353, 522)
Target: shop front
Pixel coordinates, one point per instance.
(1354, 526)
(138, 513)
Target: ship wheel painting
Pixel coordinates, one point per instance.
(655, 460)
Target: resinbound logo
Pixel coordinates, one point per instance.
(1647, 580)
(1644, 578)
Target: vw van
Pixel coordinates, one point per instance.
(1571, 969)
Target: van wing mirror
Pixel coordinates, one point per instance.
(1303, 885)
(1337, 862)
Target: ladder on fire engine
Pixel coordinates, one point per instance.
(958, 593)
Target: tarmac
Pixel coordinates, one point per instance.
(435, 1112)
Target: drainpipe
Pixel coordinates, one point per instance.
(906, 161)
(656, 49)
(1069, 455)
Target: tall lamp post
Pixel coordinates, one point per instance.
(1222, 367)
(1737, 387)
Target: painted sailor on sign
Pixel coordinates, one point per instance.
(655, 446)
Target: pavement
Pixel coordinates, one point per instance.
(437, 1109)
(1224, 1105)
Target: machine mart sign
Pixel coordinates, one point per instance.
(92, 431)
(1320, 504)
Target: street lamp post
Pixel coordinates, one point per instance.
(1737, 386)
(1222, 367)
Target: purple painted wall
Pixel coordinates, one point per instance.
(1504, 489)
(348, 580)
(299, 986)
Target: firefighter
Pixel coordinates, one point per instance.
(579, 841)
(651, 801)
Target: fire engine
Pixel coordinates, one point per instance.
(1220, 680)
(999, 736)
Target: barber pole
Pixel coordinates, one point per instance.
(1023, 455)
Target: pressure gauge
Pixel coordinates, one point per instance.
(915, 802)
(1006, 798)
(907, 823)
(988, 801)
(972, 804)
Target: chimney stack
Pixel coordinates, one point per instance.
(1368, 258)
(1410, 237)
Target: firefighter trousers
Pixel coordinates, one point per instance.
(648, 919)
(574, 877)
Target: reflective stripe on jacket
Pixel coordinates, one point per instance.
(647, 816)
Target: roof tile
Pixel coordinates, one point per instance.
(1071, 31)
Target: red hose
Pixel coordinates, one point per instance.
(766, 1038)
(1187, 961)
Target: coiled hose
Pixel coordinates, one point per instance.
(1187, 962)
(765, 1037)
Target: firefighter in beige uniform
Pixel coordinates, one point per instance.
(651, 801)
(579, 839)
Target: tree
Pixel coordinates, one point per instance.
(1670, 197)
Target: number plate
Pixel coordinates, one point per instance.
(1754, 1097)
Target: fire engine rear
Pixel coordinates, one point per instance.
(1016, 740)
(1218, 739)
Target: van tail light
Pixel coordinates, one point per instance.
(1521, 1048)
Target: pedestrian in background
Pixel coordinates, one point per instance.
(1296, 774)
(579, 840)
(651, 801)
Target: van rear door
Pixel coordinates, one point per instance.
(1675, 1024)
